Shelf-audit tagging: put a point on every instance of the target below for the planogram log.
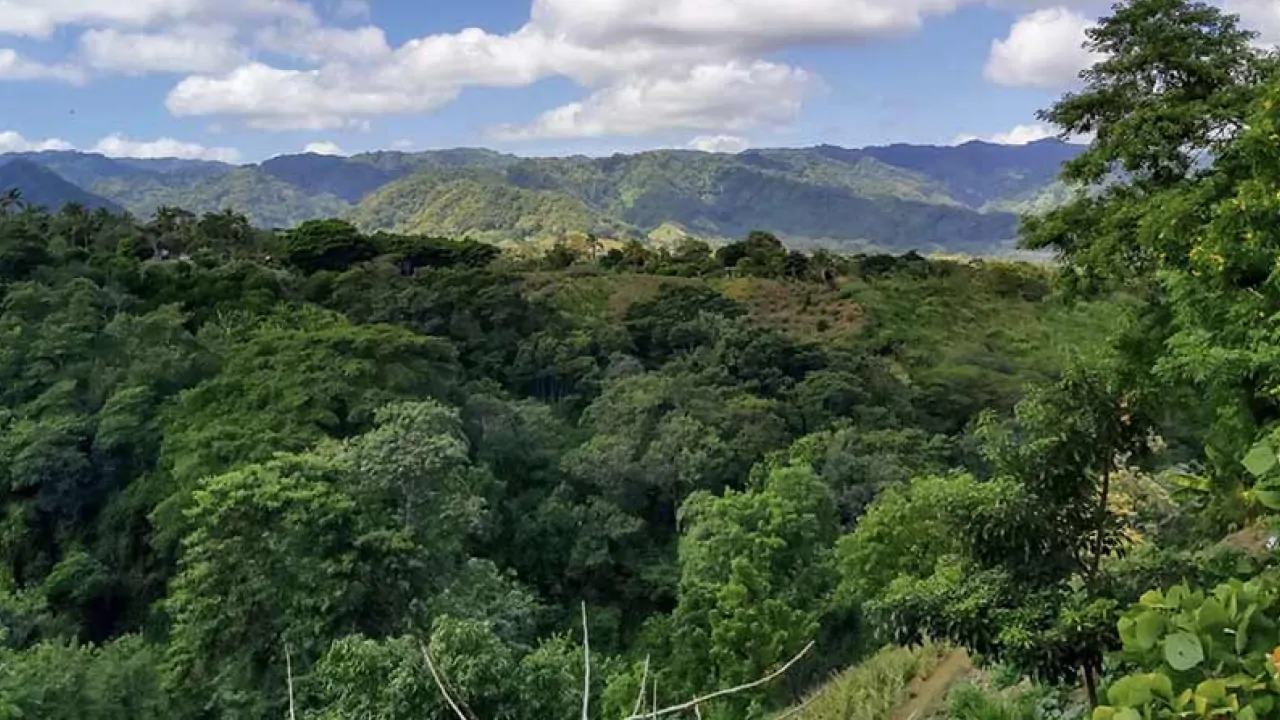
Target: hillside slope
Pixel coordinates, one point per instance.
(42, 187)
(963, 199)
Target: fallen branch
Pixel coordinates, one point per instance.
(644, 681)
(586, 666)
(288, 669)
(435, 675)
(731, 691)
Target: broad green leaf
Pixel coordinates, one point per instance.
(1242, 630)
(1183, 651)
(1269, 499)
(1260, 460)
(1131, 691)
(1214, 691)
(1152, 598)
(1212, 616)
(1147, 629)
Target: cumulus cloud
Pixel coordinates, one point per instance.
(117, 145)
(317, 43)
(11, 142)
(730, 96)
(39, 18)
(621, 51)
(1261, 15)
(17, 67)
(324, 148)
(719, 143)
(1044, 49)
(182, 49)
(1019, 135)
(760, 24)
(273, 99)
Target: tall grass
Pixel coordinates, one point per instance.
(871, 690)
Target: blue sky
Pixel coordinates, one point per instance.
(241, 80)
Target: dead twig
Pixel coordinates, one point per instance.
(644, 681)
(730, 691)
(288, 669)
(435, 675)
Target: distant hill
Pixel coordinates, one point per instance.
(42, 187)
(965, 198)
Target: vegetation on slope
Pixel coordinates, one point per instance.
(245, 471)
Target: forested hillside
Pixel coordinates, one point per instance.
(325, 473)
(961, 199)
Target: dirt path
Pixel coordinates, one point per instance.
(932, 691)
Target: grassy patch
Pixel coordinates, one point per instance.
(874, 688)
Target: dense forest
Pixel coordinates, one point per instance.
(321, 473)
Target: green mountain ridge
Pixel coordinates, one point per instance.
(965, 199)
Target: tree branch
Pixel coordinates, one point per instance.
(288, 669)
(644, 681)
(731, 691)
(435, 675)
(586, 666)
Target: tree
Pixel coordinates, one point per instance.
(335, 245)
(1175, 82)
(276, 556)
(755, 581)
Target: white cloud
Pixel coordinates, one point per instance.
(729, 96)
(1019, 135)
(1261, 15)
(316, 43)
(353, 9)
(324, 148)
(1044, 49)
(275, 99)
(117, 145)
(39, 18)
(16, 67)
(739, 23)
(11, 142)
(719, 143)
(181, 49)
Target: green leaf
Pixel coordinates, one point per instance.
(1214, 691)
(1242, 630)
(1269, 499)
(1183, 651)
(1151, 598)
(1260, 460)
(1212, 616)
(1130, 691)
(1147, 629)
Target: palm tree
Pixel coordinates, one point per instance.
(11, 200)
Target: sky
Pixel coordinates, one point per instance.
(244, 80)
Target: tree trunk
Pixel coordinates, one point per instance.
(1090, 684)
(1103, 501)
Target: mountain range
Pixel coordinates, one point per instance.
(964, 198)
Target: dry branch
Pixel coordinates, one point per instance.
(435, 675)
(288, 669)
(731, 691)
(586, 666)
(644, 681)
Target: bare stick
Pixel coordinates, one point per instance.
(435, 675)
(731, 691)
(654, 714)
(799, 708)
(586, 666)
(644, 681)
(288, 669)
